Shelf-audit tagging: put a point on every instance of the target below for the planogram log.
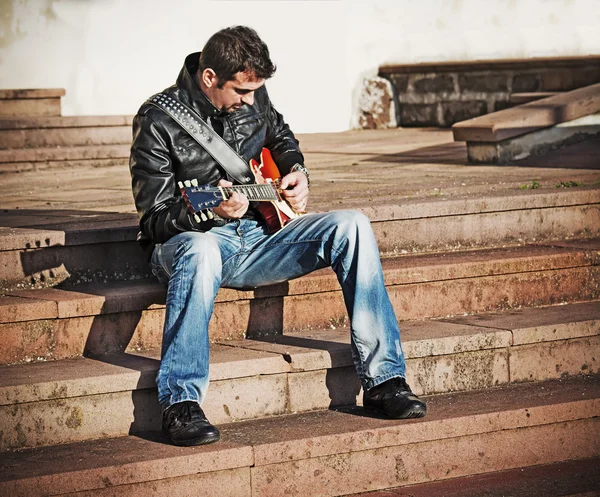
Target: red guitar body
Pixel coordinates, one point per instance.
(276, 213)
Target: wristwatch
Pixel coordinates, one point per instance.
(302, 169)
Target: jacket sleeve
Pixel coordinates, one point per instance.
(281, 141)
(161, 209)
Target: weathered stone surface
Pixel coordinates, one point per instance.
(392, 466)
(64, 137)
(483, 83)
(14, 309)
(552, 417)
(400, 82)
(526, 82)
(230, 483)
(453, 112)
(458, 372)
(83, 467)
(323, 389)
(81, 153)
(37, 123)
(9, 94)
(546, 324)
(555, 359)
(566, 79)
(377, 106)
(419, 115)
(247, 398)
(443, 83)
(578, 478)
(30, 107)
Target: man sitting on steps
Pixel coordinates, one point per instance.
(224, 85)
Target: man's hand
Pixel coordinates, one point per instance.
(234, 207)
(297, 195)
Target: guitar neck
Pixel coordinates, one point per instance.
(266, 192)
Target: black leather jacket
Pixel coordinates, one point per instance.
(162, 153)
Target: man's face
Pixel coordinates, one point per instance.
(234, 93)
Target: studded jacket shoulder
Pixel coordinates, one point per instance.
(162, 153)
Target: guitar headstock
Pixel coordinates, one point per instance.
(200, 199)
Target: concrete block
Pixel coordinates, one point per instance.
(557, 359)
(246, 398)
(323, 389)
(458, 372)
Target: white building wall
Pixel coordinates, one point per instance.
(111, 54)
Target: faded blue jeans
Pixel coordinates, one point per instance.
(242, 255)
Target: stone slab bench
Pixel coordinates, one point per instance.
(532, 128)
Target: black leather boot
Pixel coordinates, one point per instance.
(184, 423)
(395, 399)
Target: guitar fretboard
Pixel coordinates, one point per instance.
(253, 192)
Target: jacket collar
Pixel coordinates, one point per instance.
(187, 82)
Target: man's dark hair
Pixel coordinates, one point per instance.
(236, 49)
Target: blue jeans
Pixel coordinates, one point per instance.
(241, 255)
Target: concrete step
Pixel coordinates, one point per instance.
(100, 318)
(42, 248)
(533, 128)
(61, 131)
(90, 398)
(326, 453)
(54, 154)
(30, 103)
(577, 478)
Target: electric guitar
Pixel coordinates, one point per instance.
(275, 210)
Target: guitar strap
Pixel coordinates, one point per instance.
(208, 139)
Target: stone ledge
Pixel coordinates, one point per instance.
(490, 64)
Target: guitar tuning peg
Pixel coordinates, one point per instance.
(209, 214)
(180, 184)
(203, 216)
(197, 218)
(187, 183)
(194, 182)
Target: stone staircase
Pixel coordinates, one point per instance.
(34, 135)
(498, 293)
